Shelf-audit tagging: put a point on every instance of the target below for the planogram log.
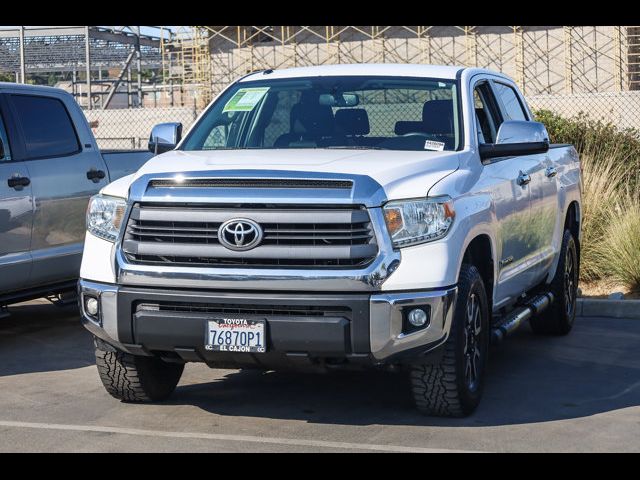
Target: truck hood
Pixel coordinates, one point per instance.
(401, 174)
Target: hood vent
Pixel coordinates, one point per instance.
(251, 183)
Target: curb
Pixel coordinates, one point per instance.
(602, 307)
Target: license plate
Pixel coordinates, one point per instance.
(235, 335)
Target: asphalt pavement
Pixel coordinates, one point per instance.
(575, 393)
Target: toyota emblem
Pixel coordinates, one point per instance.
(240, 234)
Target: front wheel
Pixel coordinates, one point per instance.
(132, 378)
(453, 387)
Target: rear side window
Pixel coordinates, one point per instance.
(47, 128)
(512, 108)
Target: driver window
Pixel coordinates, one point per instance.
(485, 122)
(5, 155)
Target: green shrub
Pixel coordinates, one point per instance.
(610, 249)
(618, 257)
(593, 137)
(604, 184)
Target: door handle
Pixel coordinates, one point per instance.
(18, 182)
(551, 172)
(523, 179)
(95, 175)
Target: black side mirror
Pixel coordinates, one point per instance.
(517, 137)
(165, 137)
(494, 150)
(1, 150)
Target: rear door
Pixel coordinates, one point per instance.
(543, 188)
(65, 170)
(16, 215)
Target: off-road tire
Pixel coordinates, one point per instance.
(558, 319)
(137, 379)
(441, 389)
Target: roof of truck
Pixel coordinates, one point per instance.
(382, 69)
(27, 87)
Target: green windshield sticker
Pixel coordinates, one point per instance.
(245, 99)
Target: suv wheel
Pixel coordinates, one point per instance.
(453, 387)
(132, 378)
(559, 317)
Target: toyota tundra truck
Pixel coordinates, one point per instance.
(397, 217)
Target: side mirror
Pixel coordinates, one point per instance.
(165, 137)
(1, 150)
(517, 137)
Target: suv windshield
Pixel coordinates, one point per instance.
(332, 112)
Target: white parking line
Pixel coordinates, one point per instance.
(231, 438)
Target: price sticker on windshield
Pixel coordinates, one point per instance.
(245, 99)
(433, 145)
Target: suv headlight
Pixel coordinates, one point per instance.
(418, 220)
(104, 216)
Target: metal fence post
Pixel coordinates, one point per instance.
(88, 62)
(23, 68)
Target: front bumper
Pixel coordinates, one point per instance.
(364, 328)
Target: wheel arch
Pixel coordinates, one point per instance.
(480, 252)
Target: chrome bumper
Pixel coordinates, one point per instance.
(385, 319)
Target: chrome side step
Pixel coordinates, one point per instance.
(515, 318)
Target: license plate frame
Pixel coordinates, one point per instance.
(237, 335)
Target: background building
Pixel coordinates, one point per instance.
(150, 73)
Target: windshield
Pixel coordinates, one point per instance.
(332, 112)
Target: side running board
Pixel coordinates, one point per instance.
(515, 318)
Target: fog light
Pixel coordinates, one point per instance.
(91, 306)
(417, 317)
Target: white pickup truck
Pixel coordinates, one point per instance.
(345, 216)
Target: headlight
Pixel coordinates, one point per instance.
(417, 221)
(104, 216)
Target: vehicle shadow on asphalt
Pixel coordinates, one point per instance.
(531, 379)
(40, 337)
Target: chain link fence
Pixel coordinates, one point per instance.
(616, 108)
(129, 129)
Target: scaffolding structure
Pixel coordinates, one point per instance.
(101, 61)
(186, 61)
(542, 60)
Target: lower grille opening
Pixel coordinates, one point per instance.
(231, 309)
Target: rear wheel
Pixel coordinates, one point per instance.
(132, 378)
(558, 319)
(453, 387)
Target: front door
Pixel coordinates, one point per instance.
(507, 180)
(16, 216)
(543, 188)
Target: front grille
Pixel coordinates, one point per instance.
(293, 236)
(244, 309)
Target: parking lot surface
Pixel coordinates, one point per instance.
(574, 393)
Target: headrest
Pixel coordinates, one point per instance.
(403, 127)
(312, 118)
(352, 121)
(437, 117)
